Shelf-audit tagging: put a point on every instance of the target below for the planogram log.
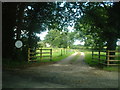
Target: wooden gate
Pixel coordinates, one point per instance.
(39, 54)
(104, 57)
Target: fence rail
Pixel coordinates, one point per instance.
(42, 54)
(105, 57)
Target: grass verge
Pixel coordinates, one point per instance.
(88, 60)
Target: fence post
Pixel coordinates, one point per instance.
(40, 54)
(99, 56)
(92, 54)
(28, 54)
(106, 55)
(61, 52)
(108, 58)
(66, 50)
(50, 54)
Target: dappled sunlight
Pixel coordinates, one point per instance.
(74, 54)
(58, 65)
(82, 53)
(61, 44)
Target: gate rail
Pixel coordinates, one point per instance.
(39, 53)
(105, 58)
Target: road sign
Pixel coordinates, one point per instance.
(18, 44)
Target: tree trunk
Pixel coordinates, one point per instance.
(29, 39)
(8, 22)
(20, 14)
(111, 43)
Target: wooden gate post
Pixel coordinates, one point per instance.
(61, 52)
(99, 56)
(50, 54)
(108, 58)
(92, 54)
(40, 54)
(28, 54)
(66, 50)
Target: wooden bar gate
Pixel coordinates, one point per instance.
(39, 54)
(104, 56)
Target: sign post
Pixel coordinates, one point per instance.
(18, 45)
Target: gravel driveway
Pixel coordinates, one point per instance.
(63, 74)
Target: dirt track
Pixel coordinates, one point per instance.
(63, 74)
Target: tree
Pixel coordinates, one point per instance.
(32, 18)
(53, 38)
(59, 39)
(8, 23)
(29, 19)
(99, 16)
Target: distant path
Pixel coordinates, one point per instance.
(62, 74)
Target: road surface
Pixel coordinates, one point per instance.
(63, 74)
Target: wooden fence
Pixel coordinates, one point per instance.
(39, 54)
(105, 58)
(63, 51)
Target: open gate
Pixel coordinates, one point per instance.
(39, 54)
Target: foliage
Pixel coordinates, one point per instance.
(59, 39)
(29, 19)
(93, 23)
(99, 18)
(64, 15)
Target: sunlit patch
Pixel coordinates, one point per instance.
(58, 65)
(29, 7)
(82, 54)
(118, 42)
(62, 4)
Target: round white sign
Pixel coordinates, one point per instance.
(18, 44)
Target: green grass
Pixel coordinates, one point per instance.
(88, 60)
(57, 55)
(113, 68)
